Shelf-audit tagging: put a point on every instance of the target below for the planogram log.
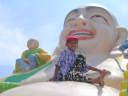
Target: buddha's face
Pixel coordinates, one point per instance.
(94, 26)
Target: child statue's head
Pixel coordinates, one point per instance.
(32, 44)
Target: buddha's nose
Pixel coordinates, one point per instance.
(80, 21)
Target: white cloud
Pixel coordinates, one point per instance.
(12, 43)
(123, 9)
(48, 36)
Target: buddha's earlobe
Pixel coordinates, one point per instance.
(122, 35)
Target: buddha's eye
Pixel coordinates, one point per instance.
(99, 19)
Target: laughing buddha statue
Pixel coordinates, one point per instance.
(99, 37)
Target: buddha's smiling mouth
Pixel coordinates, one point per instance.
(82, 34)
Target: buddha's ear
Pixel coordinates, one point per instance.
(122, 35)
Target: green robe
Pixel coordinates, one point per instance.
(42, 56)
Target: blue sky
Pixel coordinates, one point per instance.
(43, 20)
